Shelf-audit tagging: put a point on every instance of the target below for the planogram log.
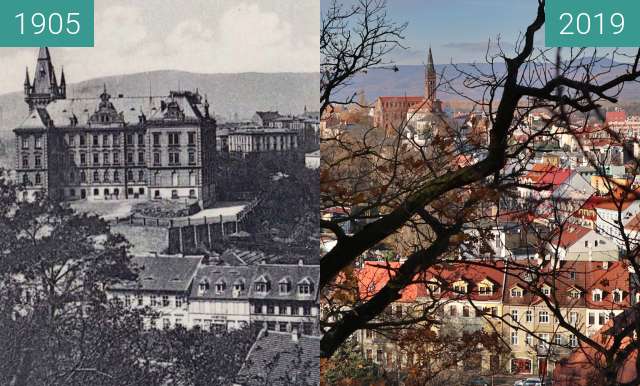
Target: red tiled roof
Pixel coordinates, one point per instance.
(374, 275)
(544, 174)
(578, 368)
(616, 116)
(412, 99)
(569, 235)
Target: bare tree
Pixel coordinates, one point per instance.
(353, 39)
(392, 188)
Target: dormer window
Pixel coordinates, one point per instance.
(305, 286)
(485, 288)
(516, 292)
(220, 286)
(434, 287)
(284, 286)
(203, 286)
(574, 293)
(460, 287)
(238, 285)
(617, 296)
(261, 285)
(597, 295)
(546, 290)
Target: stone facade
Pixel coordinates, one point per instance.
(118, 148)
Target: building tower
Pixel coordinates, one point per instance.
(45, 86)
(430, 80)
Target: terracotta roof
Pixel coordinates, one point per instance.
(616, 116)
(472, 274)
(578, 368)
(544, 174)
(569, 235)
(587, 275)
(411, 99)
(374, 275)
(633, 224)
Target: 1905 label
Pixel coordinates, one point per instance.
(37, 23)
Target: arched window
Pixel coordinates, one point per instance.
(141, 175)
(106, 176)
(96, 176)
(129, 175)
(83, 176)
(116, 176)
(25, 179)
(38, 179)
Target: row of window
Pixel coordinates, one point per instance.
(544, 339)
(270, 309)
(37, 142)
(114, 158)
(37, 161)
(106, 176)
(597, 295)
(154, 301)
(106, 140)
(261, 285)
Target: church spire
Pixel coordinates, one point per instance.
(45, 86)
(430, 80)
(27, 81)
(430, 67)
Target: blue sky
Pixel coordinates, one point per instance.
(457, 30)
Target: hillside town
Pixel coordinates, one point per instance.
(536, 264)
(200, 205)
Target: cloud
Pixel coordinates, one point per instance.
(198, 36)
(245, 38)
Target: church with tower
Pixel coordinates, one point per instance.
(411, 115)
(113, 147)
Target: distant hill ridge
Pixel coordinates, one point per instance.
(409, 80)
(228, 94)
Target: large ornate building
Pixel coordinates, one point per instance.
(114, 147)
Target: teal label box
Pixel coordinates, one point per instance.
(592, 23)
(53, 23)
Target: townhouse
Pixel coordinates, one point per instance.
(193, 292)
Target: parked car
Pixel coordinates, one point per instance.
(478, 381)
(532, 382)
(519, 383)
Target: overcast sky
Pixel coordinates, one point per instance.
(206, 36)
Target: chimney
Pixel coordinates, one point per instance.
(294, 335)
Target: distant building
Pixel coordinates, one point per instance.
(392, 112)
(115, 148)
(257, 140)
(312, 160)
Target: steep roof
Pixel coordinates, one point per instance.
(374, 275)
(162, 273)
(272, 273)
(62, 111)
(570, 235)
(409, 99)
(277, 358)
(578, 368)
(543, 174)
